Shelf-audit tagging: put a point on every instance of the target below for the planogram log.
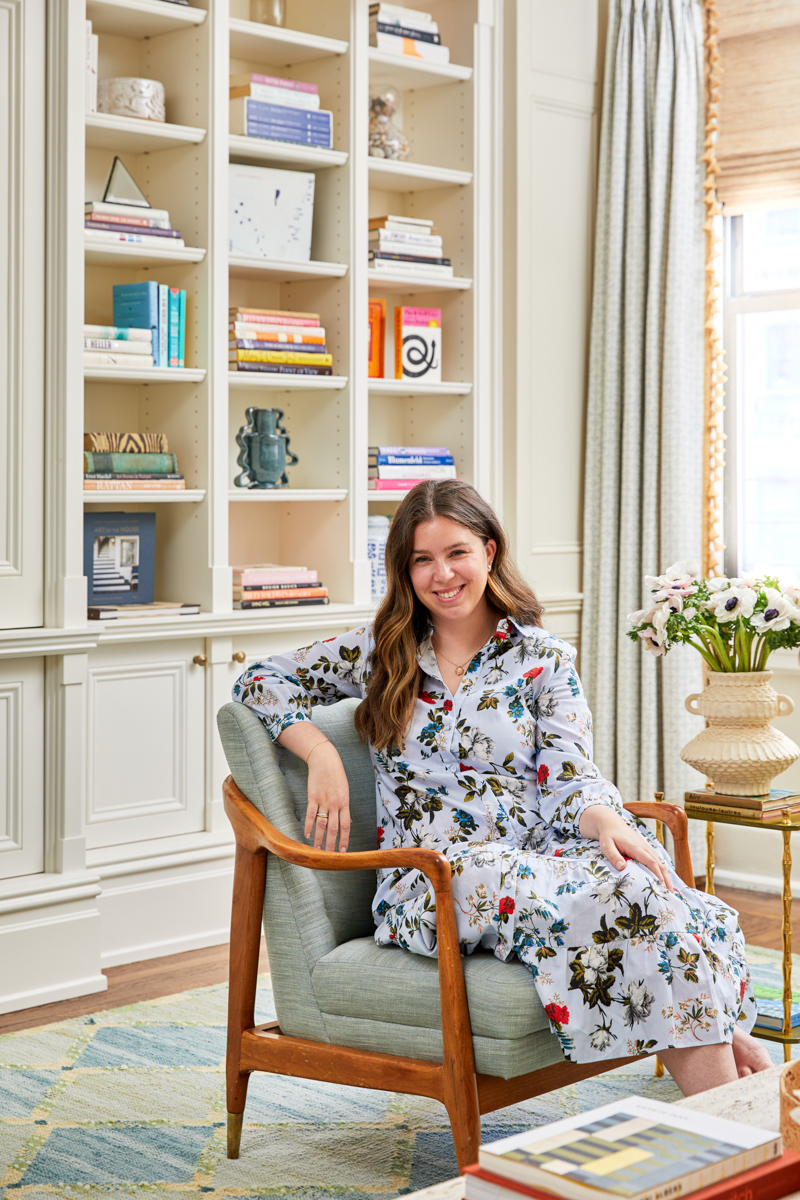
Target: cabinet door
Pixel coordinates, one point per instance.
(22, 194)
(146, 743)
(21, 767)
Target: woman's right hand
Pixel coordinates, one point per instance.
(328, 793)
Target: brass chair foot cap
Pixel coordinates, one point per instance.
(234, 1133)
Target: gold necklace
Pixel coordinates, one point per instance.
(460, 667)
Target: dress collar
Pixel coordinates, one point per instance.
(506, 627)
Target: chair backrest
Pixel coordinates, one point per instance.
(306, 913)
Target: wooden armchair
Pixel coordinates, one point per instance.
(469, 1032)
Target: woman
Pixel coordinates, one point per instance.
(481, 742)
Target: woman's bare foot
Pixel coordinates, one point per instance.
(749, 1053)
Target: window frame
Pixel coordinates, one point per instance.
(735, 303)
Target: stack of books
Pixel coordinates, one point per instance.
(277, 341)
(770, 1013)
(399, 468)
(130, 225)
(149, 328)
(408, 245)
(129, 462)
(283, 110)
(134, 612)
(406, 31)
(272, 586)
(755, 808)
(636, 1149)
(119, 557)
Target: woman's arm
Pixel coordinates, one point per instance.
(328, 790)
(618, 841)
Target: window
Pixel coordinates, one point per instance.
(762, 350)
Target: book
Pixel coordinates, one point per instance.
(287, 334)
(412, 223)
(241, 591)
(377, 333)
(289, 97)
(398, 14)
(119, 551)
(403, 237)
(411, 459)
(295, 85)
(770, 1181)
(135, 239)
(121, 463)
(132, 612)
(118, 345)
(438, 472)
(182, 329)
(280, 593)
(102, 358)
(410, 255)
(705, 811)
(277, 603)
(270, 212)
(93, 225)
(770, 1014)
(632, 1149)
(280, 368)
(127, 210)
(142, 224)
(173, 338)
(411, 451)
(133, 485)
(136, 304)
(406, 47)
(119, 333)
(162, 360)
(127, 443)
(776, 799)
(295, 357)
(393, 485)
(261, 344)
(275, 316)
(412, 269)
(131, 475)
(376, 25)
(271, 573)
(418, 343)
(268, 112)
(280, 133)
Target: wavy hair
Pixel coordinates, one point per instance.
(402, 621)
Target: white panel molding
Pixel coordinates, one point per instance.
(747, 882)
(569, 108)
(11, 759)
(556, 548)
(12, 243)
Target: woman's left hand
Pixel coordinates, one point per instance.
(619, 841)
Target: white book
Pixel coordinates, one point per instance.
(118, 345)
(98, 358)
(406, 248)
(276, 333)
(412, 18)
(127, 210)
(419, 224)
(406, 268)
(277, 95)
(406, 48)
(444, 471)
(270, 212)
(119, 333)
(134, 239)
(404, 237)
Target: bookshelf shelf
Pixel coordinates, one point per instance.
(263, 150)
(105, 254)
(145, 375)
(277, 47)
(385, 497)
(287, 494)
(413, 73)
(410, 285)
(107, 132)
(402, 387)
(189, 496)
(245, 267)
(391, 176)
(288, 383)
(141, 18)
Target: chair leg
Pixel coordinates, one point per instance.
(465, 1122)
(248, 901)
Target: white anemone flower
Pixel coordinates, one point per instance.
(652, 642)
(790, 586)
(779, 613)
(679, 579)
(733, 603)
(642, 616)
(719, 584)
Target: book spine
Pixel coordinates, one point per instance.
(267, 133)
(393, 485)
(402, 31)
(276, 603)
(280, 368)
(283, 114)
(133, 475)
(277, 347)
(398, 341)
(131, 210)
(126, 463)
(409, 47)
(136, 305)
(133, 485)
(293, 357)
(134, 239)
(243, 591)
(117, 345)
(277, 81)
(395, 237)
(174, 318)
(103, 219)
(411, 268)
(123, 227)
(163, 325)
(250, 316)
(722, 810)
(120, 334)
(411, 460)
(182, 329)
(97, 358)
(396, 15)
(441, 472)
(397, 256)
(285, 97)
(285, 335)
(309, 593)
(269, 579)
(413, 451)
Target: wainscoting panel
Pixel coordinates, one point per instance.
(21, 767)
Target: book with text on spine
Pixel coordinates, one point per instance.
(288, 97)
(393, 485)
(406, 47)
(103, 358)
(278, 81)
(288, 334)
(418, 343)
(278, 603)
(280, 368)
(439, 471)
(313, 592)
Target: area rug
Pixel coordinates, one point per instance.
(130, 1105)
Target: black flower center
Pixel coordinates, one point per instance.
(770, 614)
(730, 605)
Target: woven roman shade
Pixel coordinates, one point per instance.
(758, 146)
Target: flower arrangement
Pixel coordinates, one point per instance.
(735, 624)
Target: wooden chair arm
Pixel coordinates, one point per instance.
(677, 822)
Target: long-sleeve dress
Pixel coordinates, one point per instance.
(496, 777)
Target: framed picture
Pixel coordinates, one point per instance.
(119, 557)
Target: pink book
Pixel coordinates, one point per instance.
(292, 85)
(249, 576)
(393, 485)
(248, 316)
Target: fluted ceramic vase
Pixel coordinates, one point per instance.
(739, 750)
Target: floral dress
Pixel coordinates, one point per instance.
(496, 777)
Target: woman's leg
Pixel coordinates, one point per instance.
(698, 1068)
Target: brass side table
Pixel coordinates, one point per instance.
(787, 824)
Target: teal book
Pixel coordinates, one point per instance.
(99, 462)
(174, 326)
(182, 330)
(163, 325)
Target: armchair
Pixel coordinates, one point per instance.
(469, 1032)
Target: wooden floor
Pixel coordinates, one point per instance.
(759, 916)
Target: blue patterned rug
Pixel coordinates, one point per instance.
(130, 1105)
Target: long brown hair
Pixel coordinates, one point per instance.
(402, 621)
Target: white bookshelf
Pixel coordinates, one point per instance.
(412, 285)
(145, 375)
(391, 176)
(404, 387)
(248, 381)
(260, 269)
(282, 154)
(104, 131)
(140, 18)
(288, 495)
(101, 253)
(274, 47)
(186, 496)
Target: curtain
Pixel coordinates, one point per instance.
(644, 469)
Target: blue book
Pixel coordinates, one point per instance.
(182, 329)
(174, 325)
(297, 137)
(163, 325)
(262, 109)
(770, 1014)
(119, 555)
(409, 460)
(136, 306)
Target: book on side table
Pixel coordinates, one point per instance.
(755, 808)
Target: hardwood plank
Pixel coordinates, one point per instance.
(760, 917)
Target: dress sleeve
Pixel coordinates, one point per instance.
(567, 779)
(284, 688)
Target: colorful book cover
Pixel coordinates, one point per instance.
(377, 335)
(270, 212)
(163, 325)
(261, 344)
(119, 553)
(174, 319)
(293, 357)
(418, 344)
(117, 333)
(121, 463)
(136, 305)
(770, 1014)
(127, 443)
(182, 329)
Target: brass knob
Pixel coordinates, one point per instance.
(238, 656)
(200, 660)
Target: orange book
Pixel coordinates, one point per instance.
(377, 330)
(299, 593)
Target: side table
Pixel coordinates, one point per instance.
(788, 823)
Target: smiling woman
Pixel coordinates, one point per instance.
(481, 743)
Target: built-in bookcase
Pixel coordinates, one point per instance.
(321, 518)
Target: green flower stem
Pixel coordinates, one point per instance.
(710, 658)
(764, 652)
(720, 648)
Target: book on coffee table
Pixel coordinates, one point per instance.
(633, 1149)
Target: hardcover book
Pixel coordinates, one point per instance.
(126, 443)
(119, 554)
(777, 798)
(288, 97)
(272, 81)
(418, 344)
(270, 212)
(377, 331)
(770, 1014)
(136, 462)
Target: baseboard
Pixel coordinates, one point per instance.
(49, 995)
(53, 956)
(177, 945)
(772, 884)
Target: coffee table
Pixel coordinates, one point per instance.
(752, 1100)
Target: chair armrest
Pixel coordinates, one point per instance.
(677, 822)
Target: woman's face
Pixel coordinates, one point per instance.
(448, 568)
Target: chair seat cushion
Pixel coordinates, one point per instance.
(368, 982)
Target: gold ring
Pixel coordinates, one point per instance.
(321, 817)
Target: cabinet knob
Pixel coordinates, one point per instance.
(238, 656)
(200, 660)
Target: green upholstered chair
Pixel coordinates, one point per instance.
(468, 1031)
